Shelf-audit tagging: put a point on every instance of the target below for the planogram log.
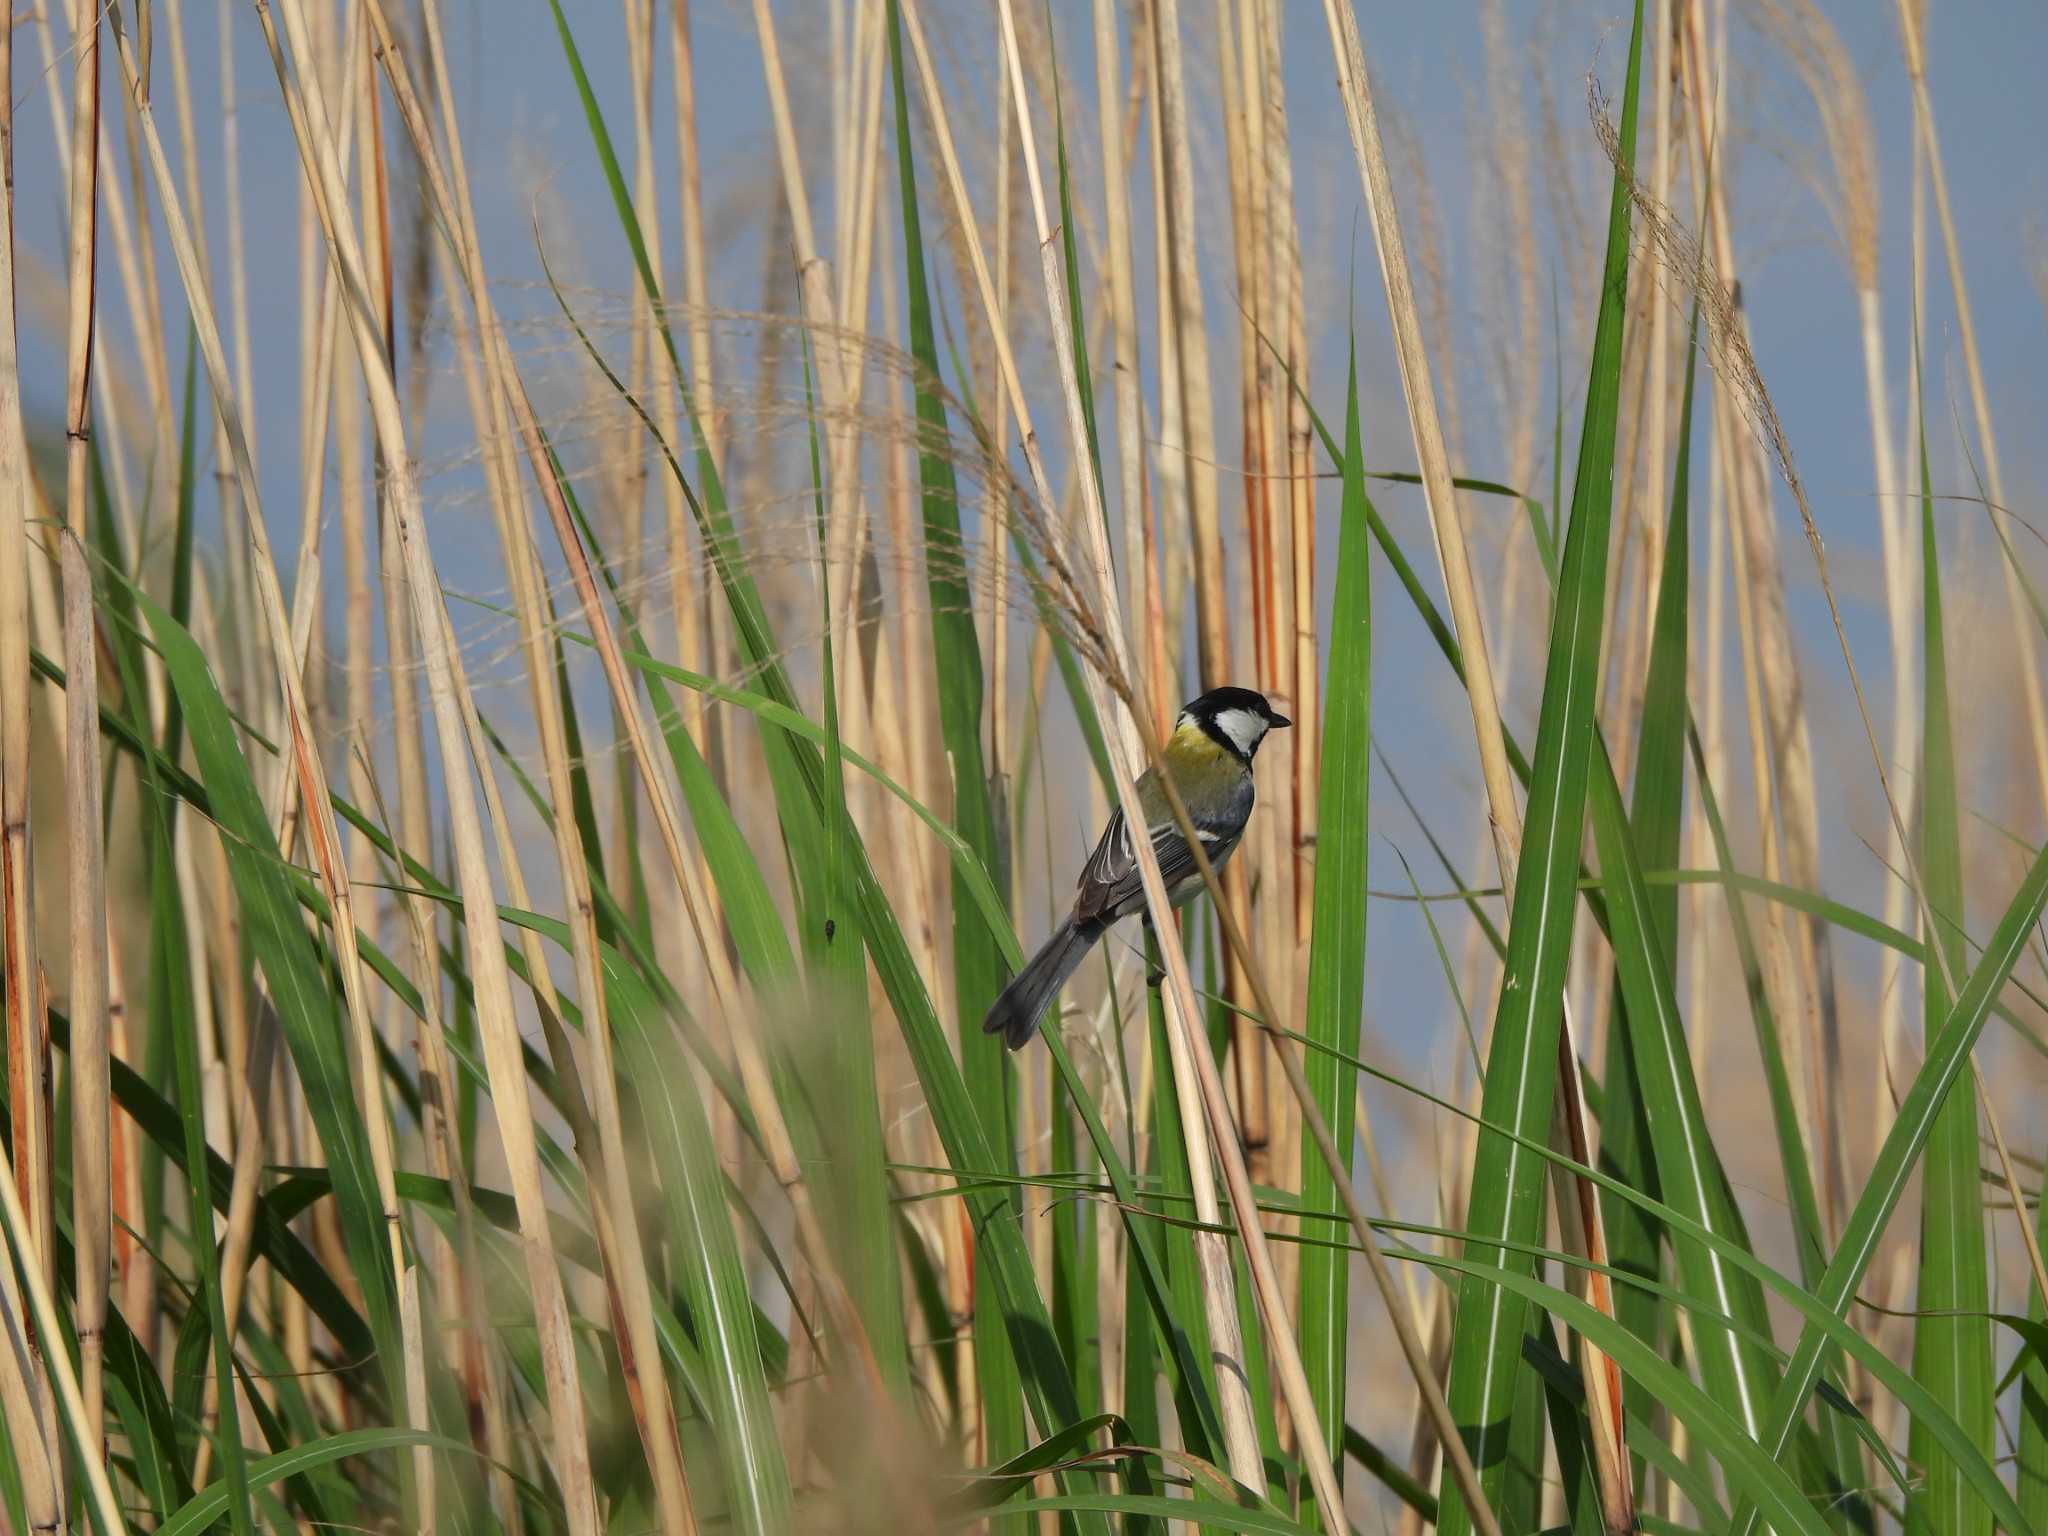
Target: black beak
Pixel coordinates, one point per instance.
(1278, 722)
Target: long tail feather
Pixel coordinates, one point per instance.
(1016, 1013)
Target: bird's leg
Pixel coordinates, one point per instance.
(1155, 973)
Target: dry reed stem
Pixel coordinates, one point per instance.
(306, 105)
(1911, 24)
(22, 1394)
(42, 1313)
(91, 1096)
(1189, 323)
(1816, 52)
(1602, 1379)
(1123, 313)
(1252, 656)
(1218, 1281)
(1289, 309)
(1240, 1436)
(839, 369)
(601, 1145)
(692, 615)
(251, 1089)
(1768, 648)
(1283, 1349)
(458, 219)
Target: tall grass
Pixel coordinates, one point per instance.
(475, 1089)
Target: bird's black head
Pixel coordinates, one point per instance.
(1235, 718)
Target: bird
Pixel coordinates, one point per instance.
(1210, 756)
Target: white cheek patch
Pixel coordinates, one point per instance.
(1243, 727)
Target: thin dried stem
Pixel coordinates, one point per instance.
(91, 1133)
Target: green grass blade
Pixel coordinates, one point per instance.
(1507, 1185)
(305, 1007)
(208, 1506)
(1947, 1060)
(1657, 802)
(1689, 1171)
(1952, 1334)
(1336, 968)
(171, 1006)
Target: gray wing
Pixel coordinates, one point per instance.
(1109, 887)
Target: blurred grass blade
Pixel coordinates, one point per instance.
(853, 1174)
(1336, 968)
(713, 1281)
(1952, 1333)
(1507, 1184)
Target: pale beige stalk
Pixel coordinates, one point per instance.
(1189, 323)
(42, 1311)
(91, 1171)
(1289, 311)
(1912, 21)
(22, 1392)
(1773, 655)
(1816, 51)
(1123, 312)
(459, 220)
(1254, 657)
(313, 789)
(839, 368)
(1219, 1287)
(691, 613)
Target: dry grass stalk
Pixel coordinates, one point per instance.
(1140, 571)
(1816, 52)
(727, 997)
(23, 1389)
(1219, 1286)
(839, 370)
(691, 614)
(309, 772)
(596, 1123)
(1579, 1208)
(1188, 321)
(91, 1096)
(1294, 512)
(1912, 32)
(1289, 309)
(1195, 1070)
(1253, 654)
(1778, 742)
(41, 1315)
